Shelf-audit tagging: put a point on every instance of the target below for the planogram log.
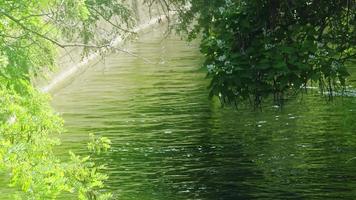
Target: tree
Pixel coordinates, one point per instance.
(255, 49)
(30, 31)
(30, 34)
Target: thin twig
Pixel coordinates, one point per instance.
(70, 44)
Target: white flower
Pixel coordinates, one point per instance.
(227, 63)
(210, 68)
(222, 10)
(268, 46)
(220, 43)
(335, 65)
(228, 1)
(311, 56)
(221, 58)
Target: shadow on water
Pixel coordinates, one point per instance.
(171, 142)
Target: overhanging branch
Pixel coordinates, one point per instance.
(59, 44)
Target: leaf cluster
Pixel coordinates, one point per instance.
(27, 130)
(255, 49)
(30, 34)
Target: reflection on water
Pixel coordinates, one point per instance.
(171, 142)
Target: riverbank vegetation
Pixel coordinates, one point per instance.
(30, 34)
(253, 50)
(257, 49)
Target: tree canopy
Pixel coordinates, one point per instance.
(30, 31)
(255, 49)
(30, 34)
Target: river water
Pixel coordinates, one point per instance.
(171, 142)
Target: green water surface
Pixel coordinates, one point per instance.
(171, 142)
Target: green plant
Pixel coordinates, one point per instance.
(255, 49)
(26, 151)
(30, 34)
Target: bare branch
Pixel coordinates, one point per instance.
(110, 22)
(35, 15)
(106, 46)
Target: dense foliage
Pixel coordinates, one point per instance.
(30, 29)
(255, 49)
(30, 34)
(27, 129)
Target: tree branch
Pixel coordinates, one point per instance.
(110, 22)
(30, 30)
(107, 46)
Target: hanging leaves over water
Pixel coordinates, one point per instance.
(255, 49)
